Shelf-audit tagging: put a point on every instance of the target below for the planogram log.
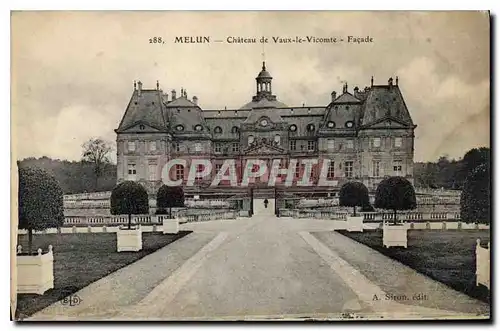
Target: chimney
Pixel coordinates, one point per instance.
(356, 89)
(135, 85)
(165, 97)
(174, 94)
(195, 100)
(157, 85)
(344, 90)
(139, 84)
(390, 81)
(334, 96)
(397, 80)
(372, 81)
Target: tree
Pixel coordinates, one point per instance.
(129, 198)
(353, 194)
(475, 197)
(471, 160)
(40, 202)
(395, 193)
(168, 197)
(96, 151)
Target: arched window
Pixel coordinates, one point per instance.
(179, 127)
(310, 127)
(198, 127)
(250, 140)
(235, 129)
(277, 139)
(218, 130)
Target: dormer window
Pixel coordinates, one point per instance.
(310, 127)
(142, 127)
(234, 129)
(198, 127)
(293, 128)
(179, 127)
(330, 124)
(349, 124)
(218, 130)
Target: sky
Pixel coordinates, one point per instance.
(73, 72)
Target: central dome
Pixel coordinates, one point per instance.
(264, 97)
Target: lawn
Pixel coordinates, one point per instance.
(446, 256)
(81, 259)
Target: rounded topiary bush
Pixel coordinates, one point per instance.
(395, 193)
(353, 194)
(40, 199)
(475, 197)
(169, 197)
(129, 198)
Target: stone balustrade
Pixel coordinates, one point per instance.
(372, 216)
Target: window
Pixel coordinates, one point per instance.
(199, 169)
(330, 144)
(131, 146)
(152, 171)
(348, 169)
(234, 129)
(376, 168)
(376, 142)
(310, 127)
(277, 139)
(349, 124)
(217, 168)
(311, 145)
(350, 143)
(293, 128)
(197, 147)
(132, 171)
(179, 171)
(218, 130)
(293, 145)
(398, 167)
(330, 124)
(250, 140)
(218, 147)
(179, 128)
(198, 127)
(297, 170)
(331, 170)
(235, 147)
(398, 142)
(177, 147)
(152, 146)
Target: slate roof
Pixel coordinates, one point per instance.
(371, 105)
(382, 101)
(183, 111)
(147, 108)
(264, 103)
(346, 98)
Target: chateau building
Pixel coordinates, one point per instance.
(364, 136)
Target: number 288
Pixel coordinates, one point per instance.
(156, 40)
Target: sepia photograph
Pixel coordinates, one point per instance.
(250, 165)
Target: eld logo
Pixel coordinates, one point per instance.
(72, 300)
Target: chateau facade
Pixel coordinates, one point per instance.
(365, 136)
